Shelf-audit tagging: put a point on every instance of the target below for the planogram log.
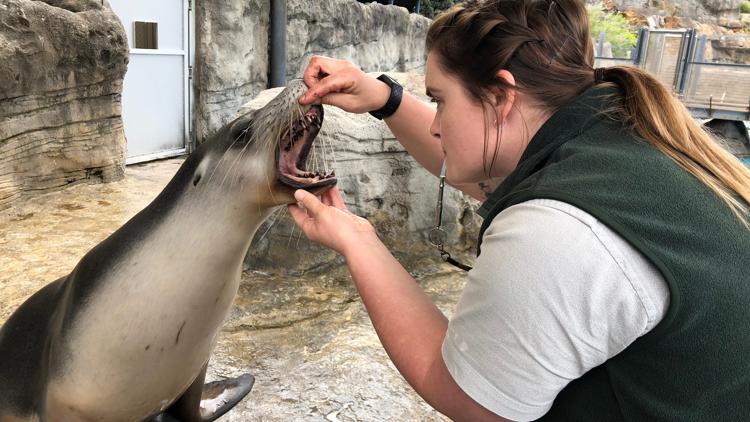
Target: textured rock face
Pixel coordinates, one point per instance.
(731, 48)
(375, 36)
(232, 47)
(61, 68)
(702, 10)
(231, 59)
(379, 181)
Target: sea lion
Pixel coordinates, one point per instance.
(127, 335)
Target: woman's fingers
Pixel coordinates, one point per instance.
(324, 89)
(311, 203)
(318, 68)
(333, 198)
(300, 218)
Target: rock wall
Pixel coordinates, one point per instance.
(231, 60)
(232, 47)
(709, 11)
(62, 63)
(379, 181)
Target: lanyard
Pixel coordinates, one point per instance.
(437, 235)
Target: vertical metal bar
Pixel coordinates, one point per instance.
(678, 65)
(277, 53)
(700, 53)
(640, 46)
(600, 44)
(685, 62)
(186, 74)
(190, 146)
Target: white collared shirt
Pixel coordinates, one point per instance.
(553, 294)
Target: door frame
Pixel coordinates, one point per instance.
(187, 44)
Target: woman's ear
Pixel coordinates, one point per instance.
(508, 95)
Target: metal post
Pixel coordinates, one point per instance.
(600, 44)
(700, 52)
(277, 53)
(640, 46)
(419, 6)
(687, 49)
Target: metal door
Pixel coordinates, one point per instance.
(155, 97)
(664, 55)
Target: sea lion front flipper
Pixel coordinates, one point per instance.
(220, 396)
(164, 417)
(206, 403)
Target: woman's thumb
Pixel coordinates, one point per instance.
(309, 201)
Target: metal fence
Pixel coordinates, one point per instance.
(677, 59)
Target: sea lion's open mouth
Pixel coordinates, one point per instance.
(294, 149)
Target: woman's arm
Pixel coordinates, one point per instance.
(408, 324)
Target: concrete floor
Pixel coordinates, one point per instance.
(308, 341)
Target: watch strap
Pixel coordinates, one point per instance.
(394, 99)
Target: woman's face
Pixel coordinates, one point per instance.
(459, 126)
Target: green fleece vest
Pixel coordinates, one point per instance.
(695, 364)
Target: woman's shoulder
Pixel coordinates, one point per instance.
(564, 241)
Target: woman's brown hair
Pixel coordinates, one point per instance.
(547, 47)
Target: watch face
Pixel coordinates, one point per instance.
(394, 99)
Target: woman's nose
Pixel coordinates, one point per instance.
(435, 128)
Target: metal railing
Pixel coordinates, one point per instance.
(676, 58)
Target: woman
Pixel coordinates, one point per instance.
(612, 280)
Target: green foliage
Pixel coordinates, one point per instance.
(745, 7)
(428, 8)
(615, 27)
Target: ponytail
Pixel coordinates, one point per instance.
(547, 46)
(663, 121)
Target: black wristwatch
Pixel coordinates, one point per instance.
(394, 100)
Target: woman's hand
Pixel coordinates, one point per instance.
(329, 223)
(342, 84)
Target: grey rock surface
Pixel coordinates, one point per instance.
(733, 48)
(375, 36)
(380, 181)
(232, 47)
(709, 11)
(231, 59)
(62, 63)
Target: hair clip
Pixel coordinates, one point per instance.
(558, 51)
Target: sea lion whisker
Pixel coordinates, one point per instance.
(289, 240)
(275, 215)
(268, 183)
(299, 236)
(325, 156)
(324, 141)
(314, 161)
(240, 156)
(224, 154)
